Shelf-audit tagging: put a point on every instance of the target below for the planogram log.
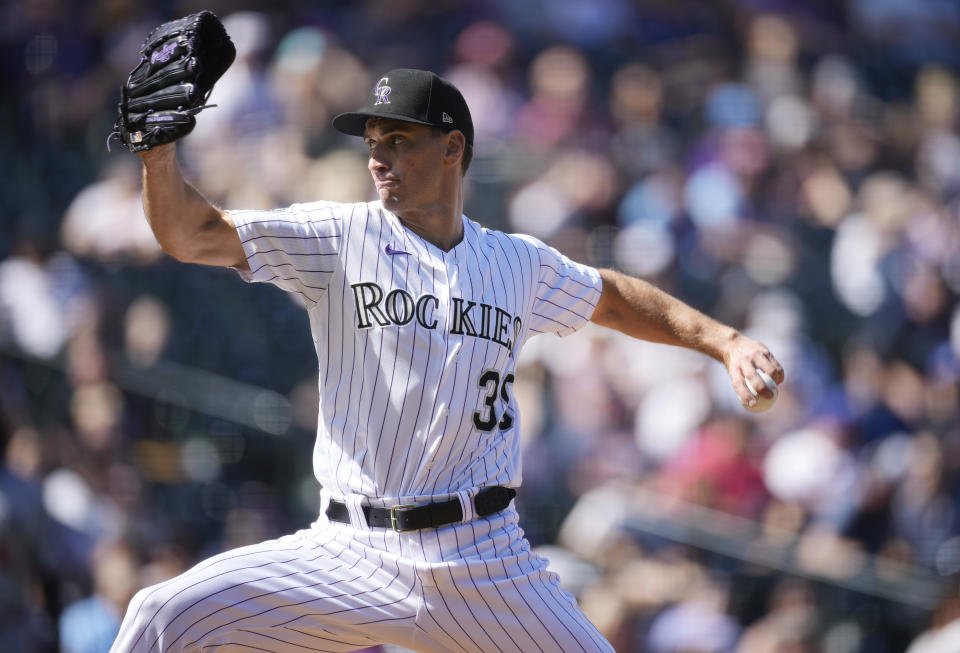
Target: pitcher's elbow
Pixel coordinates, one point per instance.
(178, 249)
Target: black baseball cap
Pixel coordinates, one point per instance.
(417, 96)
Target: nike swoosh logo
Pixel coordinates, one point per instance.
(392, 252)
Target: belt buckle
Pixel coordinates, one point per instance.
(393, 517)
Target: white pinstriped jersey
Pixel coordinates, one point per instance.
(416, 346)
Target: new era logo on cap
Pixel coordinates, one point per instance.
(417, 96)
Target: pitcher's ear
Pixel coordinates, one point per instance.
(454, 145)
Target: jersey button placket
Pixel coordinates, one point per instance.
(442, 291)
(441, 334)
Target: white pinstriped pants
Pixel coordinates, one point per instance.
(473, 587)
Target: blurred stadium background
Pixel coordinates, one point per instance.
(791, 167)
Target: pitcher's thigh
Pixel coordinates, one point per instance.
(509, 606)
(306, 590)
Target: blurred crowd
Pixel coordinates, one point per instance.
(790, 167)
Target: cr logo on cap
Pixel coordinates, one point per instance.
(382, 91)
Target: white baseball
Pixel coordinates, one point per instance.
(762, 402)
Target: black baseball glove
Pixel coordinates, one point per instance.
(179, 63)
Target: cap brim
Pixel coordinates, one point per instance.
(354, 122)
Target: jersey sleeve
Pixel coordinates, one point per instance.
(296, 248)
(567, 292)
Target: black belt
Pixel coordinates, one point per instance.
(412, 517)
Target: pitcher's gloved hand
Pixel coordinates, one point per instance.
(180, 62)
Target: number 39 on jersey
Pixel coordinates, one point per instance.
(488, 418)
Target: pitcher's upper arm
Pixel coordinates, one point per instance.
(219, 242)
(609, 310)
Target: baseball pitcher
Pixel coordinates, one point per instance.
(418, 315)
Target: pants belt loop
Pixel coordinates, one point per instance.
(466, 504)
(355, 508)
(325, 498)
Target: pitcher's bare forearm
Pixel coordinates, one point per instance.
(643, 311)
(639, 309)
(187, 226)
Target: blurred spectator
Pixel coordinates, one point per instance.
(26, 540)
(715, 468)
(105, 221)
(696, 625)
(790, 624)
(923, 513)
(91, 624)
